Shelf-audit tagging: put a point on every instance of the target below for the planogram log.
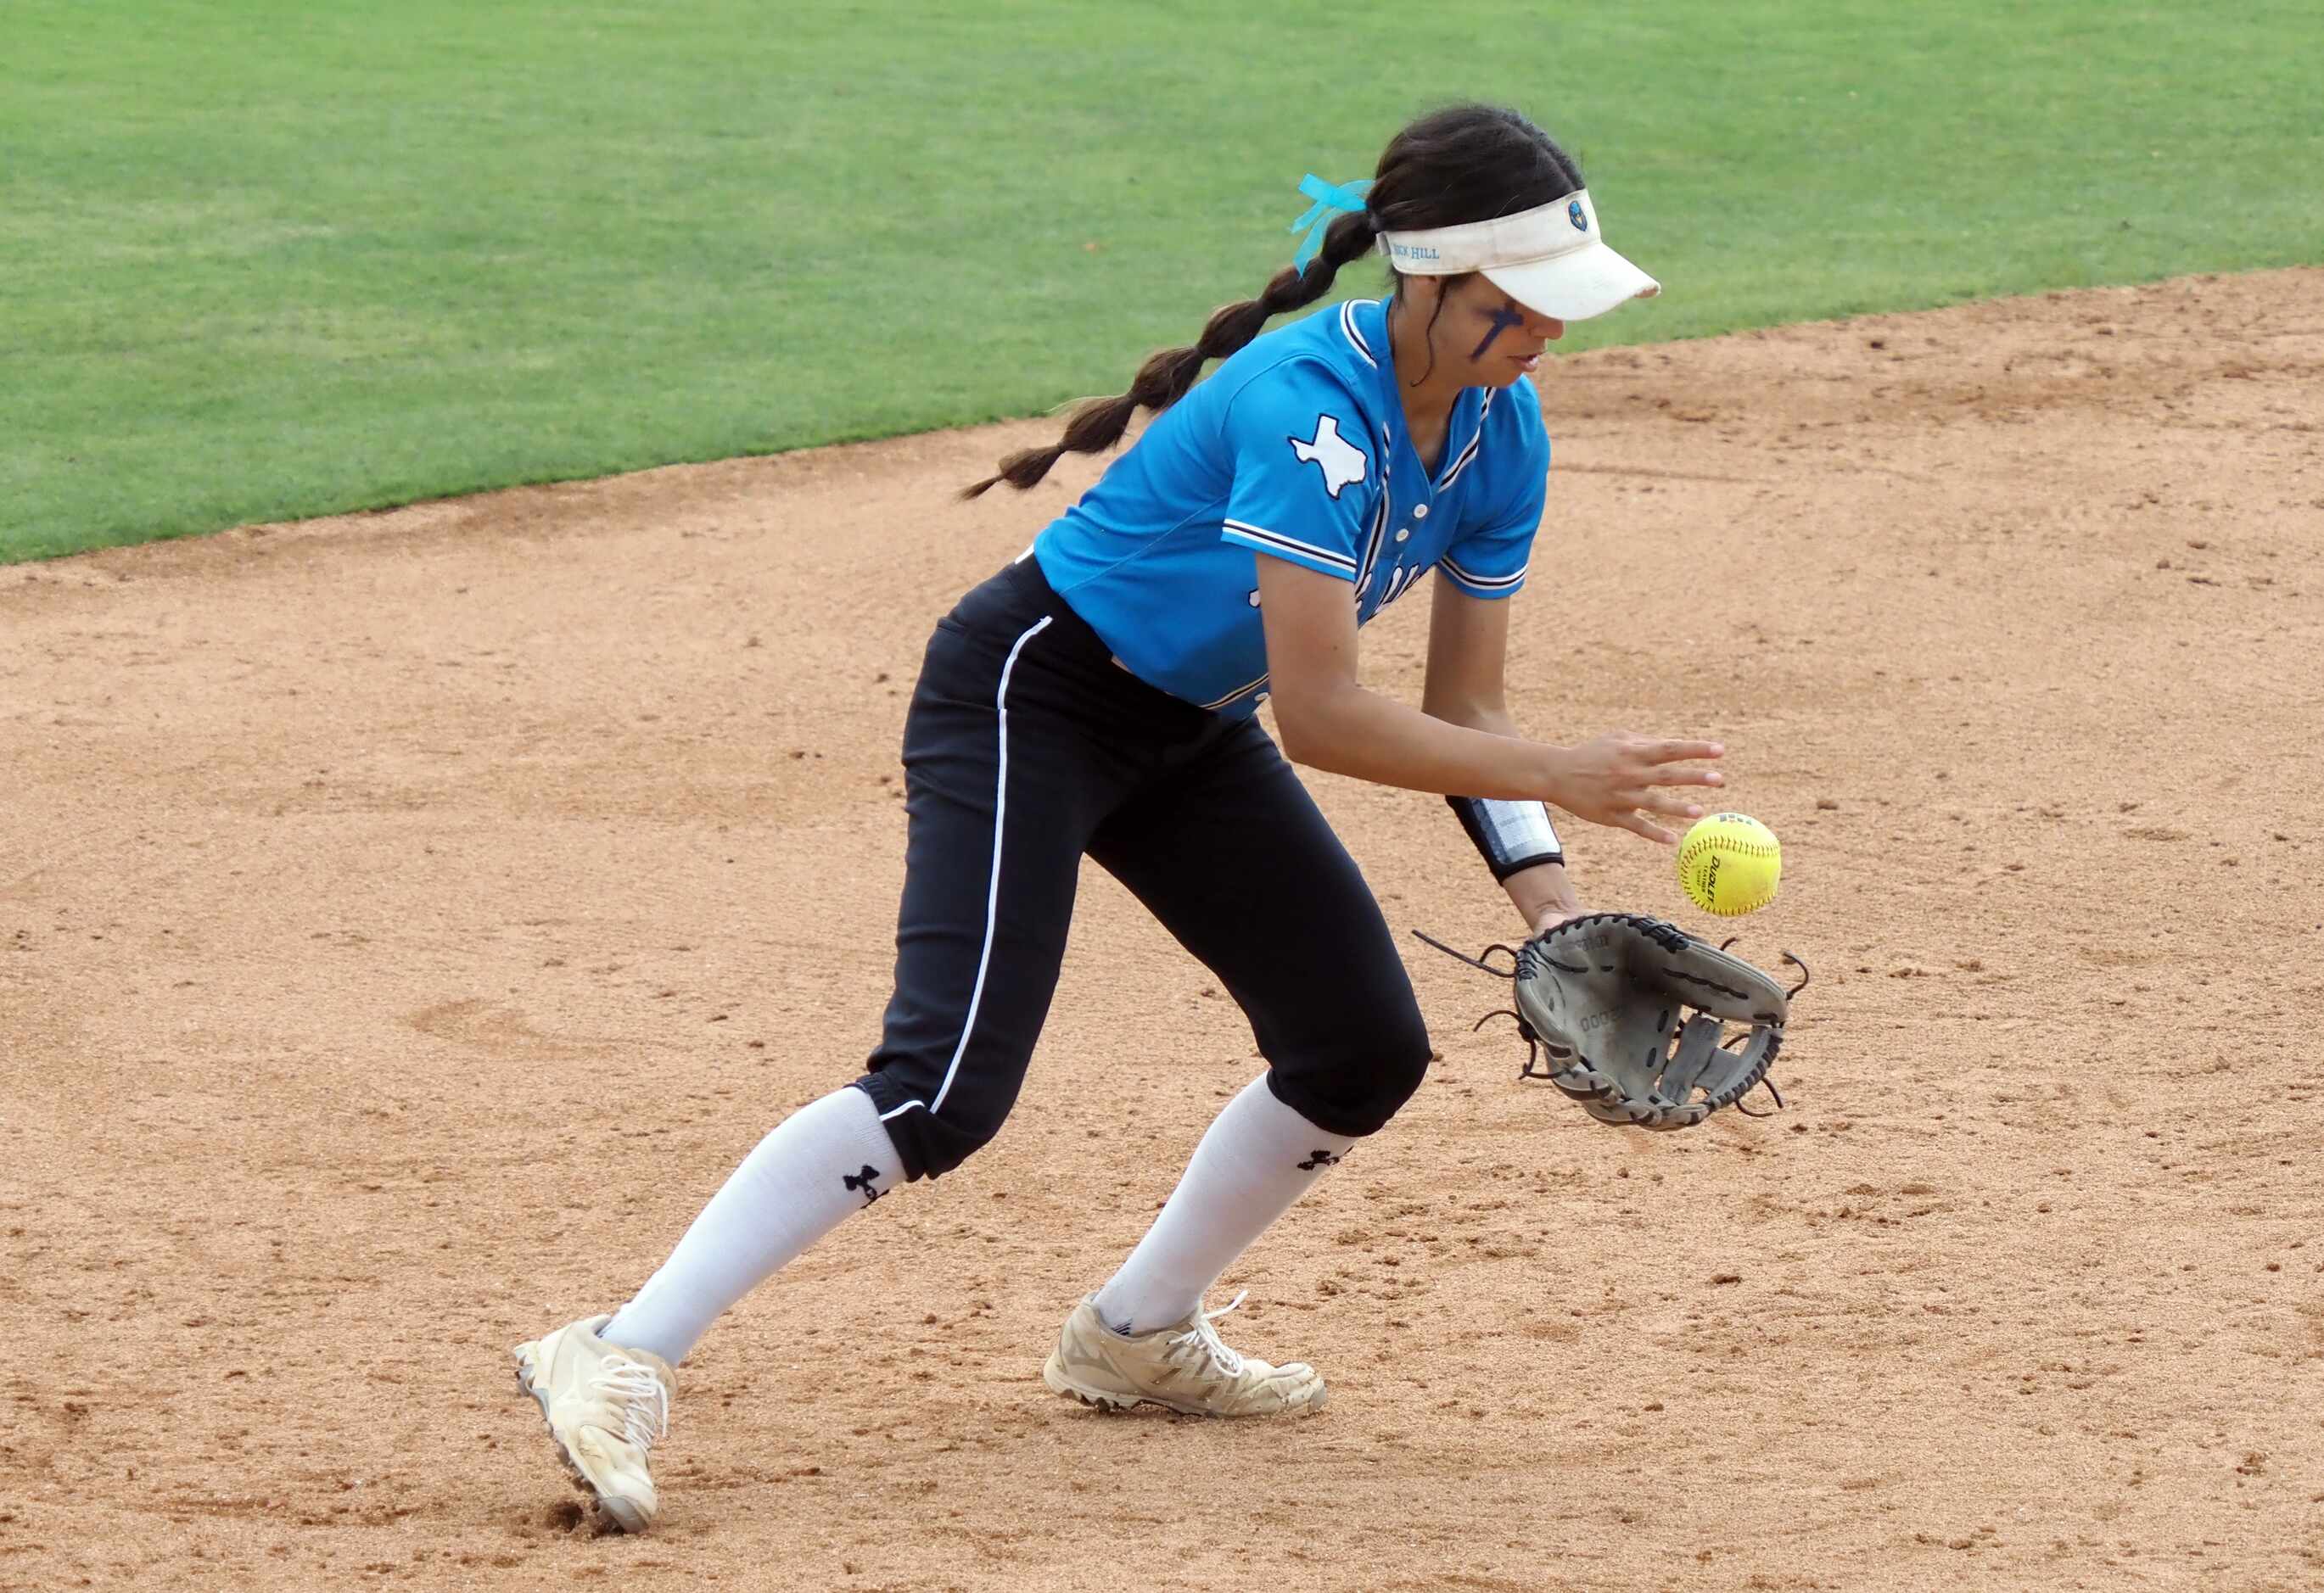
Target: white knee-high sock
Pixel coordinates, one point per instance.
(1257, 1158)
(828, 1160)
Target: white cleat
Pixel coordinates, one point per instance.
(606, 1407)
(1183, 1366)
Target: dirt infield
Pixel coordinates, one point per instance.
(407, 920)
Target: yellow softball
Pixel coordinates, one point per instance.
(1728, 864)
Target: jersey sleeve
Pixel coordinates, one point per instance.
(1305, 468)
(1489, 560)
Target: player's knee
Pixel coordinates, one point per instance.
(931, 1146)
(944, 1146)
(1355, 1087)
(1398, 1078)
(933, 1132)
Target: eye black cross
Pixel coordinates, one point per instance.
(864, 1181)
(1507, 315)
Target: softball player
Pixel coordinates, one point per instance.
(1097, 697)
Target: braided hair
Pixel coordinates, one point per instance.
(1467, 163)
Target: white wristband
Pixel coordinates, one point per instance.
(1511, 836)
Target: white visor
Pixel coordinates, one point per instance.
(1549, 259)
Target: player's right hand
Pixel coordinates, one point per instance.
(1612, 781)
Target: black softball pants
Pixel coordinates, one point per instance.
(1025, 748)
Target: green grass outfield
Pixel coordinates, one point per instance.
(261, 260)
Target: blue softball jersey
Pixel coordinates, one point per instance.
(1295, 448)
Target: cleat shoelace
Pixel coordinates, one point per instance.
(631, 1387)
(1205, 1334)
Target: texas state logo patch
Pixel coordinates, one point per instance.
(1341, 461)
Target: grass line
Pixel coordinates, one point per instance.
(262, 260)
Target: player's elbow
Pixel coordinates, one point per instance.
(1299, 746)
(1310, 726)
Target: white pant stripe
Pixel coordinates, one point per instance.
(992, 893)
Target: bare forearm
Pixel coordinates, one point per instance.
(1544, 895)
(1329, 720)
(1360, 733)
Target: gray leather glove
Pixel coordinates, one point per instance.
(1630, 1011)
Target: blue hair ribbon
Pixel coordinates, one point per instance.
(1329, 197)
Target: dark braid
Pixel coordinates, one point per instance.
(1165, 377)
(1445, 288)
(1467, 163)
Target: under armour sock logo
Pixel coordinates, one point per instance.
(1319, 1158)
(864, 1181)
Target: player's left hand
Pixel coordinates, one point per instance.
(1631, 1011)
